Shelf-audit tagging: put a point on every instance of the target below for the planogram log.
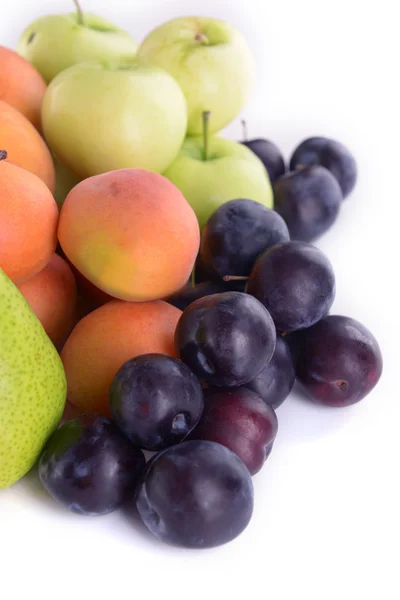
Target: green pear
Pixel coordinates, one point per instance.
(211, 61)
(56, 42)
(32, 385)
(210, 172)
(65, 181)
(98, 117)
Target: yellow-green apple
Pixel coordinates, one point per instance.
(98, 117)
(56, 42)
(212, 171)
(211, 61)
(65, 181)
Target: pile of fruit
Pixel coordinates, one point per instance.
(158, 276)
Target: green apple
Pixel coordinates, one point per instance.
(211, 61)
(97, 117)
(65, 181)
(33, 385)
(56, 42)
(210, 172)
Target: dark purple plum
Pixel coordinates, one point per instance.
(89, 466)
(190, 293)
(338, 361)
(329, 154)
(276, 380)
(226, 339)
(237, 233)
(268, 153)
(295, 282)
(198, 494)
(155, 401)
(309, 200)
(239, 419)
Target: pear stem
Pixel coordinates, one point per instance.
(235, 278)
(79, 12)
(206, 121)
(3, 154)
(245, 132)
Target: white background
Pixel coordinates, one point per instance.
(326, 523)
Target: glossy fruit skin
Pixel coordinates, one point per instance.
(198, 494)
(226, 339)
(190, 293)
(330, 154)
(338, 361)
(155, 401)
(296, 283)
(270, 156)
(89, 466)
(276, 380)
(239, 419)
(309, 201)
(237, 233)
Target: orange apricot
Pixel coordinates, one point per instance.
(25, 147)
(105, 339)
(52, 295)
(21, 85)
(28, 217)
(131, 233)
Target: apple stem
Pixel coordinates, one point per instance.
(202, 38)
(245, 132)
(79, 12)
(235, 278)
(206, 121)
(3, 154)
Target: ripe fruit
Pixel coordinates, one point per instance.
(52, 296)
(33, 386)
(268, 153)
(105, 339)
(276, 380)
(28, 216)
(17, 76)
(226, 339)
(131, 233)
(338, 361)
(189, 293)
(73, 38)
(329, 154)
(211, 61)
(212, 172)
(296, 283)
(240, 420)
(99, 117)
(155, 401)
(309, 200)
(237, 233)
(90, 467)
(197, 494)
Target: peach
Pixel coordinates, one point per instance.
(25, 147)
(52, 295)
(21, 85)
(131, 233)
(28, 217)
(105, 339)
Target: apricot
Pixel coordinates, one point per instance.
(28, 217)
(21, 85)
(105, 339)
(25, 147)
(52, 295)
(131, 233)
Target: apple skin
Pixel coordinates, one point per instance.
(65, 181)
(211, 61)
(56, 42)
(232, 171)
(99, 117)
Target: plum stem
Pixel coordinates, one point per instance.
(235, 278)
(79, 12)
(3, 154)
(206, 121)
(244, 128)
